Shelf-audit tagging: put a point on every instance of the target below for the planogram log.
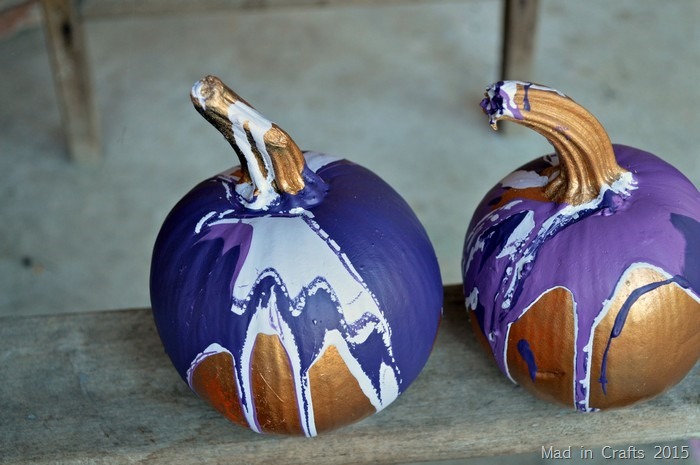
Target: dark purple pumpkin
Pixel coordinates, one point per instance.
(582, 268)
(297, 292)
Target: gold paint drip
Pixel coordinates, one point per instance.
(274, 393)
(337, 397)
(214, 380)
(658, 345)
(549, 328)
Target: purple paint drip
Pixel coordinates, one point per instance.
(497, 103)
(621, 317)
(238, 235)
(526, 98)
(527, 355)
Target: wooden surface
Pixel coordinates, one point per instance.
(97, 388)
(518, 46)
(71, 74)
(101, 8)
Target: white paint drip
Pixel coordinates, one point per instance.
(260, 194)
(586, 385)
(197, 93)
(229, 194)
(317, 160)
(518, 236)
(212, 349)
(505, 353)
(269, 250)
(475, 235)
(588, 347)
(472, 300)
(622, 186)
(268, 321)
(510, 88)
(507, 335)
(389, 384)
(524, 179)
(200, 223)
(270, 256)
(607, 304)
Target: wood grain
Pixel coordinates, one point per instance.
(97, 388)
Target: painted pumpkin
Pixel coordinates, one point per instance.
(581, 269)
(297, 292)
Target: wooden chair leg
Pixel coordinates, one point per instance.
(67, 51)
(519, 28)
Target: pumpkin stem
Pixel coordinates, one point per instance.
(271, 161)
(586, 158)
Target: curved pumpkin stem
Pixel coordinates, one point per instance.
(586, 158)
(271, 161)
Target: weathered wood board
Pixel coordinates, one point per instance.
(518, 43)
(97, 388)
(102, 8)
(66, 44)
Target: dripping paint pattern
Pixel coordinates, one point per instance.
(580, 269)
(361, 293)
(518, 249)
(274, 290)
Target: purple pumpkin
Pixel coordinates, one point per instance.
(581, 269)
(297, 292)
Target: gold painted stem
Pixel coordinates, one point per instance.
(586, 157)
(279, 161)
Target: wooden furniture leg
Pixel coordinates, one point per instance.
(67, 51)
(519, 28)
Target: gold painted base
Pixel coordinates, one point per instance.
(336, 395)
(658, 346)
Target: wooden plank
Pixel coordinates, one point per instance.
(97, 388)
(519, 29)
(101, 8)
(66, 44)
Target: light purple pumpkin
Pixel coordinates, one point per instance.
(582, 268)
